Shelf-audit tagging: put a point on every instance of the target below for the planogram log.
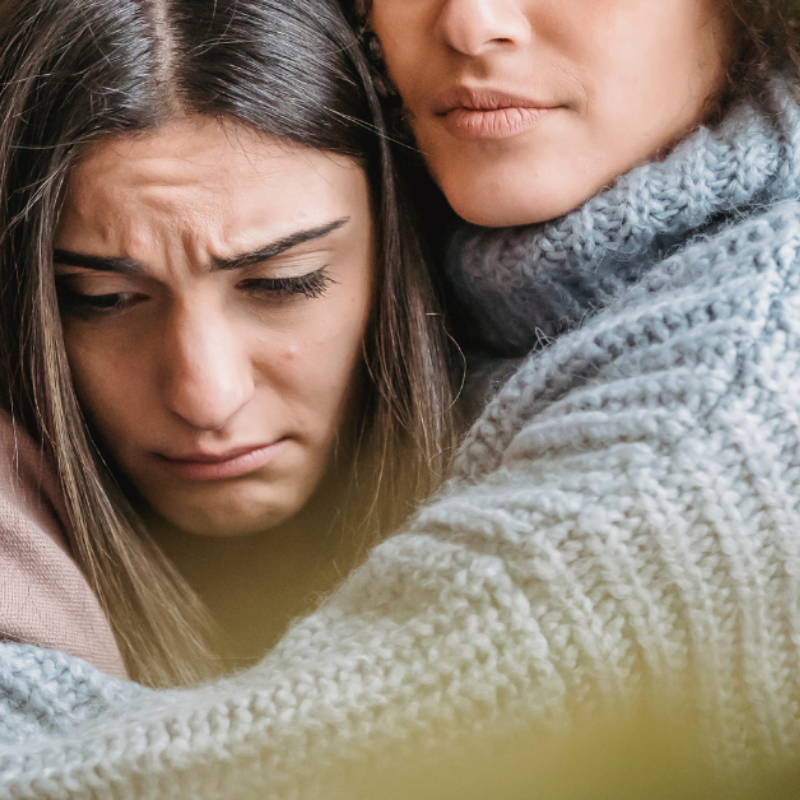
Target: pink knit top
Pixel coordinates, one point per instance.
(44, 598)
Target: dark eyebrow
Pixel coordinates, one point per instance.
(127, 265)
(275, 249)
(100, 263)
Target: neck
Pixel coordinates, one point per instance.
(255, 585)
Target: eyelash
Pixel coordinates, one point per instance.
(311, 285)
(78, 304)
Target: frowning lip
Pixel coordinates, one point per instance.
(470, 113)
(483, 100)
(204, 465)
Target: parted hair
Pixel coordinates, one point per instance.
(73, 72)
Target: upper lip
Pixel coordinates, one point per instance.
(206, 457)
(484, 99)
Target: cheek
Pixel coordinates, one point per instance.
(314, 366)
(404, 29)
(110, 387)
(318, 365)
(668, 59)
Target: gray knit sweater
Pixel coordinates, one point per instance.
(625, 511)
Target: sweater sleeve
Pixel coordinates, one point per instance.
(44, 693)
(624, 513)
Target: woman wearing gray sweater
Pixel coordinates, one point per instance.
(624, 513)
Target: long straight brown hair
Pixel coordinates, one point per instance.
(76, 71)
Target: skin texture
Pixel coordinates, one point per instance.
(187, 361)
(621, 80)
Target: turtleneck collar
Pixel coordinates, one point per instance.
(521, 286)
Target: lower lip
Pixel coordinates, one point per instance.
(501, 123)
(235, 467)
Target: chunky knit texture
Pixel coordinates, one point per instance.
(625, 512)
(524, 285)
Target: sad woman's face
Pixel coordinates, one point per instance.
(524, 109)
(215, 285)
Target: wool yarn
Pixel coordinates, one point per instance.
(524, 285)
(624, 513)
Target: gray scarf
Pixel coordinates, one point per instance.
(521, 286)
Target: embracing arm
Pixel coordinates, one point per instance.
(624, 513)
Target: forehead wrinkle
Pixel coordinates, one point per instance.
(183, 222)
(192, 196)
(161, 225)
(203, 242)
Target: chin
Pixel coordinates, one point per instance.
(517, 190)
(504, 212)
(227, 523)
(478, 211)
(491, 202)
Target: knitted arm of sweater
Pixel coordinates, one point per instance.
(46, 692)
(625, 510)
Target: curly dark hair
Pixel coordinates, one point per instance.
(768, 39)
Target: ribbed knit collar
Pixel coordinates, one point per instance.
(520, 286)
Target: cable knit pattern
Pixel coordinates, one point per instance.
(624, 513)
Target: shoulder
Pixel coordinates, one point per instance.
(709, 322)
(761, 246)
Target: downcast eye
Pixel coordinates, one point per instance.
(311, 285)
(71, 301)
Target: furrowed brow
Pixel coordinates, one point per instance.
(274, 249)
(124, 266)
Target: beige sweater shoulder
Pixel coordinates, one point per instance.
(44, 598)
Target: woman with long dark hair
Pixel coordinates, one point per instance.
(186, 337)
(622, 519)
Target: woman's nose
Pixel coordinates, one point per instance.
(208, 376)
(474, 27)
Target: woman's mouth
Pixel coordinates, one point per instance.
(233, 463)
(475, 114)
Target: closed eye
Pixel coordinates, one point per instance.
(72, 301)
(311, 285)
